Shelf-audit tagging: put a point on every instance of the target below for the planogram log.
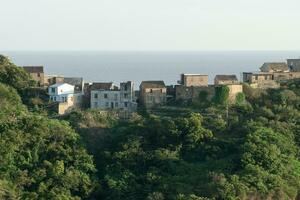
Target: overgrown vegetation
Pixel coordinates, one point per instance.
(248, 151)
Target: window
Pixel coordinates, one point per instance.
(151, 91)
(106, 104)
(116, 104)
(53, 90)
(126, 104)
(96, 96)
(161, 90)
(54, 98)
(125, 95)
(105, 96)
(116, 97)
(38, 74)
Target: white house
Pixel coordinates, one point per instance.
(109, 96)
(61, 92)
(66, 97)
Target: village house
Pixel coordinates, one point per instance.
(294, 65)
(261, 80)
(109, 96)
(191, 85)
(153, 93)
(274, 67)
(78, 82)
(37, 74)
(226, 79)
(63, 94)
(232, 83)
(189, 80)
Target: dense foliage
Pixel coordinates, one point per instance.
(246, 150)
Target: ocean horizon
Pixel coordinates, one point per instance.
(118, 66)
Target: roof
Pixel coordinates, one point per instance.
(153, 84)
(60, 84)
(73, 80)
(280, 66)
(34, 69)
(226, 77)
(102, 86)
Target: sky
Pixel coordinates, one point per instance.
(149, 25)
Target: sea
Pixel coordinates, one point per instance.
(101, 66)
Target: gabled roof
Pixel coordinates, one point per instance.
(275, 66)
(226, 77)
(103, 86)
(34, 69)
(153, 84)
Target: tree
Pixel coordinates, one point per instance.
(221, 95)
(14, 76)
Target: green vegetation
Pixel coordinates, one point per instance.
(248, 151)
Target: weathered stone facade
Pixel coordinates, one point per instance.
(189, 80)
(184, 93)
(37, 74)
(153, 93)
(226, 79)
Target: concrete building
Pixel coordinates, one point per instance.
(109, 96)
(37, 74)
(63, 94)
(275, 67)
(294, 65)
(153, 93)
(189, 80)
(226, 79)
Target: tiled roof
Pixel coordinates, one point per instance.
(102, 86)
(280, 66)
(153, 84)
(34, 69)
(226, 77)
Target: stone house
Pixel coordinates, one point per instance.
(152, 93)
(234, 89)
(109, 96)
(189, 80)
(261, 80)
(37, 74)
(294, 65)
(275, 67)
(64, 95)
(226, 79)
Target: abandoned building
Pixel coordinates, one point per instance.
(189, 80)
(37, 74)
(226, 79)
(152, 93)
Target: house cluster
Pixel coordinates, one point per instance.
(271, 74)
(72, 92)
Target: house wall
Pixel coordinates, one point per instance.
(153, 96)
(39, 78)
(225, 82)
(194, 80)
(233, 91)
(184, 93)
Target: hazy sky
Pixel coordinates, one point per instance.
(150, 25)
